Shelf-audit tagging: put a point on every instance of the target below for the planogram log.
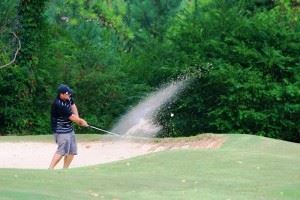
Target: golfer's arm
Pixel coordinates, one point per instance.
(77, 120)
(74, 109)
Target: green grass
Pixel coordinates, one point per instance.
(244, 168)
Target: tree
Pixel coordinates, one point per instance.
(252, 85)
(19, 84)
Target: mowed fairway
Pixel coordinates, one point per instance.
(245, 167)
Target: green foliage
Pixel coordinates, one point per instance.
(7, 22)
(242, 57)
(14, 108)
(8, 14)
(255, 63)
(30, 22)
(150, 18)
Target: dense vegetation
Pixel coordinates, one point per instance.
(243, 57)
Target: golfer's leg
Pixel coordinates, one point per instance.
(56, 158)
(67, 160)
(72, 150)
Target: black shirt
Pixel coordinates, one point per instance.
(60, 113)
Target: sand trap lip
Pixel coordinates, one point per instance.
(37, 155)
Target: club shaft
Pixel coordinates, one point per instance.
(99, 129)
(123, 136)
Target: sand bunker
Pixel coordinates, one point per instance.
(37, 155)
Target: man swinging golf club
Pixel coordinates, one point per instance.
(63, 113)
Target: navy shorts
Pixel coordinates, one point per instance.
(67, 144)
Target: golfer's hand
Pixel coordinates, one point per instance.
(83, 123)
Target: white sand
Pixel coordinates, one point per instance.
(37, 155)
(33, 155)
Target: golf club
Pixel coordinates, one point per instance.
(115, 134)
(99, 129)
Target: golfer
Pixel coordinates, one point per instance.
(63, 113)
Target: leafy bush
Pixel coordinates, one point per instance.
(253, 87)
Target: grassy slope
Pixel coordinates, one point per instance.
(246, 167)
